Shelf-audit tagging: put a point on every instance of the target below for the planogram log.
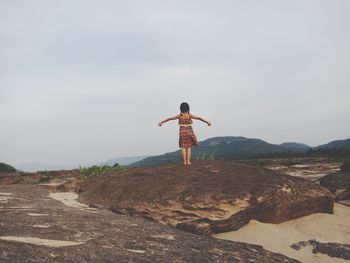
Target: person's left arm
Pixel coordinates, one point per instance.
(201, 119)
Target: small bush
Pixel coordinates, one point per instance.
(45, 179)
(29, 180)
(6, 168)
(99, 170)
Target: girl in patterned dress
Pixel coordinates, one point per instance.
(187, 138)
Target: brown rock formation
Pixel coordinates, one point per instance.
(331, 249)
(36, 228)
(207, 197)
(338, 183)
(345, 167)
(38, 177)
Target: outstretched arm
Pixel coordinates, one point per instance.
(169, 119)
(201, 119)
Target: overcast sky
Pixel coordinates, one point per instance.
(85, 81)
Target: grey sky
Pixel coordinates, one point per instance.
(85, 81)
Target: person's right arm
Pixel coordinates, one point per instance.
(169, 119)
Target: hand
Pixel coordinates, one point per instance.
(160, 124)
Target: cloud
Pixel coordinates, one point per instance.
(81, 82)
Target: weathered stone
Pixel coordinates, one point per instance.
(338, 183)
(10, 178)
(331, 249)
(345, 167)
(207, 197)
(38, 177)
(36, 228)
(311, 169)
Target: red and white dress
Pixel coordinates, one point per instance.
(187, 138)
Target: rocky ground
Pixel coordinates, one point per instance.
(311, 169)
(41, 222)
(51, 177)
(208, 197)
(330, 233)
(34, 227)
(330, 249)
(339, 184)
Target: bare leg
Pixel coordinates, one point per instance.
(189, 155)
(183, 151)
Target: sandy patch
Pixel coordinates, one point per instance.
(165, 236)
(35, 214)
(286, 189)
(40, 241)
(69, 199)
(18, 207)
(303, 165)
(56, 182)
(41, 226)
(279, 237)
(51, 184)
(4, 197)
(3, 200)
(136, 251)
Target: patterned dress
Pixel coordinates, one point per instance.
(186, 134)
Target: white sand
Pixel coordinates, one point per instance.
(69, 199)
(40, 241)
(36, 214)
(4, 197)
(279, 237)
(42, 226)
(136, 251)
(164, 236)
(19, 207)
(57, 181)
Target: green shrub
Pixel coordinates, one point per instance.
(29, 180)
(6, 168)
(99, 170)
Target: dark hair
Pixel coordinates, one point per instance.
(184, 107)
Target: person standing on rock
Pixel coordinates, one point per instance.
(187, 138)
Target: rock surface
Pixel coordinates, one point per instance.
(207, 197)
(37, 228)
(345, 167)
(335, 250)
(54, 177)
(311, 169)
(338, 183)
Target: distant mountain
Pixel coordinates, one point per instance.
(6, 168)
(226, 148)
(295, 147)
(34, 167)
(124, 160)
(335, 144)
